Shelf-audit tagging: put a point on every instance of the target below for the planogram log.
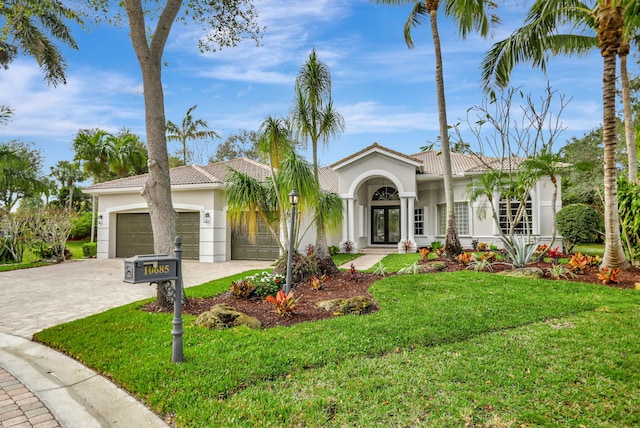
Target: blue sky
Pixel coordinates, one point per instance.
(385, 91)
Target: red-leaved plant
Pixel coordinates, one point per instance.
(609, 275)
(242, 289)
(284, 303)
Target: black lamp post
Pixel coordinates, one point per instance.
(294, 198)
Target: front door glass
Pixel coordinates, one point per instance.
(385, 225)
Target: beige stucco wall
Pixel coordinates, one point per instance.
(214, 245)
(398, 171)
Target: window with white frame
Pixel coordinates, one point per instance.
(509, 211)
(418, 221)
(461, 212)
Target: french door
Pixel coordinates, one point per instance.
(385, 225)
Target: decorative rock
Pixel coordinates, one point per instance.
(223, 316)
(525, 272)
(354, 305)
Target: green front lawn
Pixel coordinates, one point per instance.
(448, 349)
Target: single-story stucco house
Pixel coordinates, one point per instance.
(388, 198)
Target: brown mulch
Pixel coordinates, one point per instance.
(342, 285)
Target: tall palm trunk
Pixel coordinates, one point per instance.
(629, 131)
(609, 20)
(452, 243)
(322, 249)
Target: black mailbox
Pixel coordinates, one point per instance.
(150, 268)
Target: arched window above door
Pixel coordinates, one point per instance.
(386, 193)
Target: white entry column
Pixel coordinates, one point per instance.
(403, 220)
(345, 221)
(411, 218)
(352, 221)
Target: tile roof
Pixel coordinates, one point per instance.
(216, 173)
(460, 163)
(192, 174)
(329, 179)
(373, 146)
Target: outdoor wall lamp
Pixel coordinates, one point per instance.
(99, 218)
(294, 198)
(206, 217)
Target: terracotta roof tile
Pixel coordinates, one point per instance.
(192, 174)
(329, 179)
(371, 147)
(460, 163)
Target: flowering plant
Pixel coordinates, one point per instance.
(267, 283)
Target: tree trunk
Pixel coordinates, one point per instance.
(614, 256)
(629, 131)
(325, 261)
(452, 243)
(157, 189)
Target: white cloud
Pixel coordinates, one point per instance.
(90, 99)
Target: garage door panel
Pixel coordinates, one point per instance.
(134, 235)
(264, 247)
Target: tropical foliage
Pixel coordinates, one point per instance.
(467, 16)
(31, 27)
(20, 174)
(314, 118)
(189, 129)
(612, 21)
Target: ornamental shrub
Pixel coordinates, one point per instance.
(81, 226)
(90, 250)
(302, 267)
(579, 223)
(266, 283)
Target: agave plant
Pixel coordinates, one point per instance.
(520, 250)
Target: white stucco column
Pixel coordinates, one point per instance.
(411, 217)
(345, 219)
(352, 220)
(403, 219)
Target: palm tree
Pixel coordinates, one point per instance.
(5, 114)
(548, 164)
(189, 129)
(92, 151)
(468, 15)
(275, 143)
(126, 154)
(314, 118)
(543, 23)
(19, 175)
(250, 200)
(68, 174)
(27, 22)
(538, 37)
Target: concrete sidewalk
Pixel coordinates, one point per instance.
(363, 262)
(40, 387)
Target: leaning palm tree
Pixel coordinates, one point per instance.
(26, 23)
(468, 15)
(189, 129)
(539, 37)
(314, 118)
